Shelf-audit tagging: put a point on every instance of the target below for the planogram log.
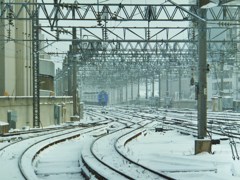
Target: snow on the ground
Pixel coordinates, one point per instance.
(173, 153)
(168, 151)
(60, 161)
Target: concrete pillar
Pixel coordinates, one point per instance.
(203, 146)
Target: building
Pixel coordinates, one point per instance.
(16, 59)
(46, 71)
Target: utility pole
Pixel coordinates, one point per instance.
(180, 82)
(167, 83)
(69, 72)
(202, 69)
(153, 91)
(126, 92)
(75, 109)
(222, 74)
(138, 87)
(131, 88)
(146, 87)
(159, 87)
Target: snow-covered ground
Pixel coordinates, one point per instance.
(173, 153)
(61, 161)
(168, 151)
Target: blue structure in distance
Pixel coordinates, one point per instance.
(102, 98)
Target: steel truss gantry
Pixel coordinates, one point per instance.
(56, 20)
(35, 69)
(53, 12)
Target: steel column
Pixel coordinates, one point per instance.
(146, 88)
(75, 109)
(222, 75)
(180, 83)
(138, 93)
(35, 66)
(126, 92)
(167, 83)
(202, 80)
(159, 87)
(132, 89)
(153, 91)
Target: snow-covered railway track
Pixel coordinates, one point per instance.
(186, 122)
(105, 161)
(12, 138)
(31, 131)
(187, 127)
(14, 149)
(30, 166)
(9, 154)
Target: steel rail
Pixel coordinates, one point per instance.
(114, 169)
(61, 139)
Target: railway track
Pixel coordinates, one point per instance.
(14, 138)
(9, 154)
(105, 134)
(16, 146)
(29, 157)
(186, 120)
(117, 165)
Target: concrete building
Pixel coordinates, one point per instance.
(46, 71)
(15, 57)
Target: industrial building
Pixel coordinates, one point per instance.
(16, 73)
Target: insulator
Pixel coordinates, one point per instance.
(99, 20)
(193, 34)
(105, 34)
(57, 34)
(9, 34)
(148, 34)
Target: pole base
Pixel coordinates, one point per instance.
(202, 145)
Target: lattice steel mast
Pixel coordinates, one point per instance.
(35, 68)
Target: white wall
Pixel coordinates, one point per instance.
(23, 107)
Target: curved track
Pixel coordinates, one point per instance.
(118, 165)
(101, 156)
